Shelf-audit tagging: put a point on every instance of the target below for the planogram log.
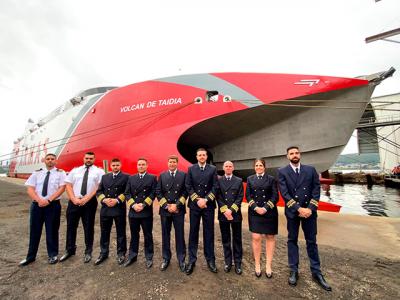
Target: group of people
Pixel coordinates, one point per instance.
(201, 188)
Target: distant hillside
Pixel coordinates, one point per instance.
(365, 158)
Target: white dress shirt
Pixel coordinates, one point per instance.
(294, 168)
(75, 177)
(56, 179)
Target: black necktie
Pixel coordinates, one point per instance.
(45, 184)
(202, 168)
(228, 178)
(114, 175)
(141, 176)
(259, 177)
(173, 174)
(297, 171)
(84, 182)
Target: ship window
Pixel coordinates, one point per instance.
(212, 96)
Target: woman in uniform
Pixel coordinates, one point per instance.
(262, 196)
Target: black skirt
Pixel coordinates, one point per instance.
(263, 224)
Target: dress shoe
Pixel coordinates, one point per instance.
(120, 259)
(268, 275)
(227, 268)
(258, 274)
(65, 256)
(211, 266)
(182, 266)
(190, 268)
(318, 278)
(238, 269)
(130, 261)
(100, 259)
(26, 262)
(87, 258)
(164, 265)
(52, 260)
(149, 263)
(293, 277)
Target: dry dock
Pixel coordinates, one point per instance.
(360, 258)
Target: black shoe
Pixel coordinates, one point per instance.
(182, 266)
(258, 274)
(130, 261)
(211, 266)
(318, 278)
(26, 262)
(268, 275)
(227, 268)
(190, 268)
(52, 260)
(87, 258)
(164, 265)
(121, 259)
(100, 259)
(65, 256)
(149, 263)
(293, 277)
(238, 269)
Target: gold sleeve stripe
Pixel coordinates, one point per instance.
(235, 207)
(194, 196)
(314, 202)
(121, 197)
(251, 202)
(290, 203)
(100, 197)
(130, 202)
(148, 201)
(163, 201)
(270, 204)
(211, 196)
(223, 208)
(182, 200)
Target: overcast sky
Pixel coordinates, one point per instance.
(51, 50)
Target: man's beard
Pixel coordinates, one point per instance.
(295, 160)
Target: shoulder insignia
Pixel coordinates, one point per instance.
(39, 170)
(60, 170)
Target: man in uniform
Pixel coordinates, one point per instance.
(45, 187)
(171, 192)
(140, 194)
(229, 198)
(300, 188)
(82, 183)
(201, 184)
(111, 196)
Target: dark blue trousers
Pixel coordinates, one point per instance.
(106, 223)
(230, 241)
(207, 215)
(179, 225)
(147, 226)
(50, 216)
(309, 226)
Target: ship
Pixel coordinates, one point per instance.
(235, 116)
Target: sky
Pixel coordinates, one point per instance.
(51, 50)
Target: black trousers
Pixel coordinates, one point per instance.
(235, 242)
(50, 216)
(207, 215)
(88, 214)
(179, 225)
(147, 227)
(106, 223)
(309, 226)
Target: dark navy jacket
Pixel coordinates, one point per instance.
(301, 190)
(141, 191)
(262, 193)
(110, 187)
(230, 196)
(172, 190)
(202, 184)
